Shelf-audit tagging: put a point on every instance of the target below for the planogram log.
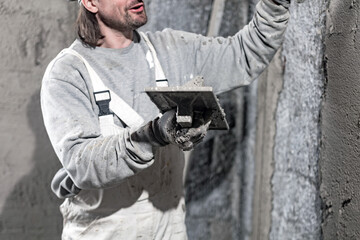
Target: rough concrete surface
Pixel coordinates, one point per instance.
(269, 86)
(340, 150)
(295, 184)
(32, 34)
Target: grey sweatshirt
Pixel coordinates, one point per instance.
(91, 161)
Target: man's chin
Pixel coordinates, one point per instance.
(135, 21)
(140, 22)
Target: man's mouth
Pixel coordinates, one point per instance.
(137, 8)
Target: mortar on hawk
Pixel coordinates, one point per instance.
(192, 100)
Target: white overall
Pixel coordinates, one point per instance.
(149, 205)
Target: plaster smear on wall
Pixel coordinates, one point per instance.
(340, 150)
(296, 212)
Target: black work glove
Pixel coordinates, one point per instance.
(284, 3)
(165, 130)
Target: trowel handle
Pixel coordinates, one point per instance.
(184, 114)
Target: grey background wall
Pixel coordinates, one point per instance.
(32, 34)
(287, 169)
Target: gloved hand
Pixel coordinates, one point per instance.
(165, 130)
(284, 3)
(185, 138)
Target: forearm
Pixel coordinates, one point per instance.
(227, 63)
(261, 38)
(91, 160)
(105, 161)
(89, 174)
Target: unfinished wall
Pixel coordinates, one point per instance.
(32, 34)
(340, 150)
(295, 183)
(269, 88)
(287, 202)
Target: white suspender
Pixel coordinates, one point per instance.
(128, 115)
(161, 80)
(107, 99)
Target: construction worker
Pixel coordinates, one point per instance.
(122, 162)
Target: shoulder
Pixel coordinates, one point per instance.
(66, 68)
(64, 64)
(171, 36)
(169, 32)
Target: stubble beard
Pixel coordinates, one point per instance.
(134, 23)
(127, 23)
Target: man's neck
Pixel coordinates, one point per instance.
(116, 39)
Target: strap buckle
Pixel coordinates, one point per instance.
(103, 99)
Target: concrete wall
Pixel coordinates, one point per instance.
(340, 150)
(269, 88)
(288, 168)
(286, 196)
(295, 183)
(32, 34)
(287, 200)
(307, 146)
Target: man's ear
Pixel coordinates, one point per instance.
(90, 5)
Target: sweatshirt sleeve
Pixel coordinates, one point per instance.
(90, 161)
(227, 63)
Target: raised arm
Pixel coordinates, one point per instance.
(225, 63)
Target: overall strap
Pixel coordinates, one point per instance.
(106, 98)
(161, 80)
